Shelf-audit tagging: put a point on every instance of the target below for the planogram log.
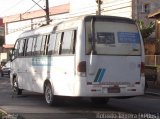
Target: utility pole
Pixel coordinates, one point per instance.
(47, 12)
(99, 2)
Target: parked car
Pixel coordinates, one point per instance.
(6, 70)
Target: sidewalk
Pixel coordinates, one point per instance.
(152, 89)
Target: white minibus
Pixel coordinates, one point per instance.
(97, 57)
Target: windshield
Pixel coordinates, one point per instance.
(7, 65)
(113, 38)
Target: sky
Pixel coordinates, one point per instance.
(11, 7)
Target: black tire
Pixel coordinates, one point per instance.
(48, 94)
(16, 89)
(99, 100)
(2, 75)
(9, 74)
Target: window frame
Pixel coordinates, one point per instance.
(70, 48)
(29, 53)
(21, 54)
(50, 50)
(58, 43)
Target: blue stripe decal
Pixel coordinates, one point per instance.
(97, 75)
(101, 75)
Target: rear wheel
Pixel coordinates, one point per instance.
(99, 100)
(16, 89)
(8, 74)
(1, 74)
(48, 93)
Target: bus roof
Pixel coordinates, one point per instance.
(50, 28)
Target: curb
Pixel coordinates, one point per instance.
(152, 93)
(1, 110)
(9, 116)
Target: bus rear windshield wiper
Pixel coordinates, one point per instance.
(93, 50)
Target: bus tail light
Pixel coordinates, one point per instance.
(81, 68)
(142, 68)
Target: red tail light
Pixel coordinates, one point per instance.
(142, 67)
(81, 67)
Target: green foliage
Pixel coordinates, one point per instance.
(2, 115)
(146, 30)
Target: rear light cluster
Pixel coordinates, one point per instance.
(142, 72)
(142, 68)
(81, 68)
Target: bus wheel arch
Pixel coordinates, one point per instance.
(15, 86)
(48, 93)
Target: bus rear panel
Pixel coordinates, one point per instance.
(113, 62)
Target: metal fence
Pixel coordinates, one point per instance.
(152, 60)
(152, 71)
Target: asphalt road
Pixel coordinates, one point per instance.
(33, 106)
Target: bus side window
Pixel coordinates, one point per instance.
(29, 46)
(46, 44)
(34, 46)
(68, 44)
(51, 44)
(21, 47)
(38, 45)
(15, 50)
(57, 49)
(43, 44)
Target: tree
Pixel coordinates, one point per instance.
(146, 30)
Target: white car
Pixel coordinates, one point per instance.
(6, 69)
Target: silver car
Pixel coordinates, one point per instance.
(6, 70)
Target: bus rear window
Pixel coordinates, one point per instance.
(113, 38)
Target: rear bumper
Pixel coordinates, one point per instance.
(124, 92)
(83, 89)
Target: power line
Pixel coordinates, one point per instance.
(72, 15)
(31, 7)
(36, 3)
(46, 10)
(27, 10)
(117, 9)
(116, 4)
(91, 12)
(10, 8)
(92, 6)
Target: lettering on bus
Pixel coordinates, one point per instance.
(105, 38)
(128, 37)
(41, 61)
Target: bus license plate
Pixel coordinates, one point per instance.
(113, 90)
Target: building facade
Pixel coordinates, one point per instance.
(147, 11)
(135, 9)
(1, 34)
(145, 7)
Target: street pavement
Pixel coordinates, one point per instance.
(32, 105)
